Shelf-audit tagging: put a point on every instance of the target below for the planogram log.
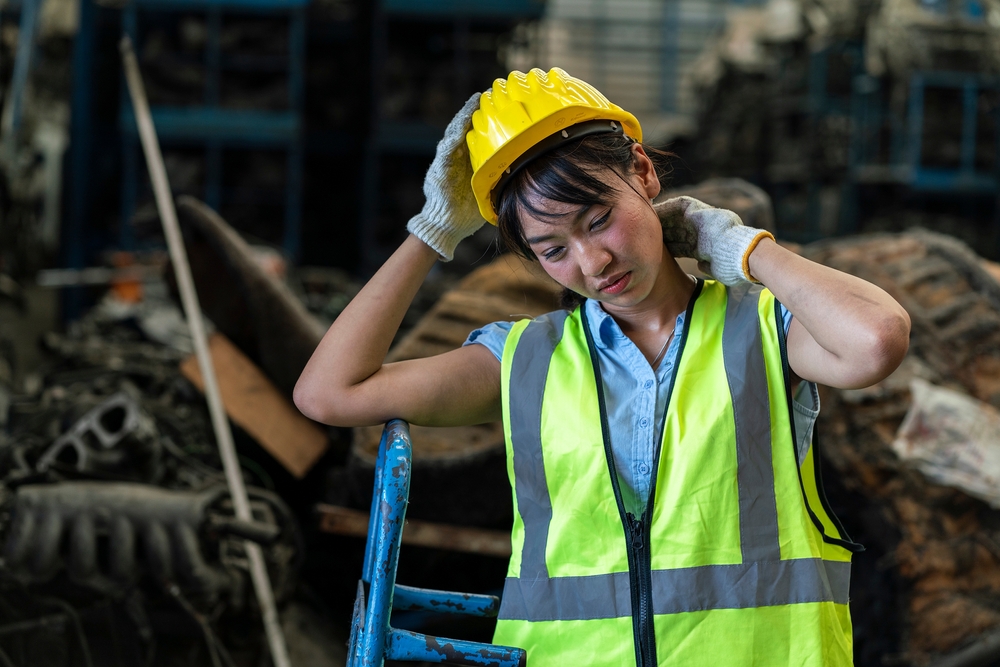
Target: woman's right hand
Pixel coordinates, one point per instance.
(450, 211)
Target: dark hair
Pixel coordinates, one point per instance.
(569, 174)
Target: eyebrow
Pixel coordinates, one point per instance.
(547, 237)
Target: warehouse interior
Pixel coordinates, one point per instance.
(295, 136)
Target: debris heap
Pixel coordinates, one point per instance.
(114, 508)
(939, 548)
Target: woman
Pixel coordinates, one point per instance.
(667, 509)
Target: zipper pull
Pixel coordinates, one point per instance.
(635, 528)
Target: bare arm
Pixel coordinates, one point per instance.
(846, 332)
(346, 382)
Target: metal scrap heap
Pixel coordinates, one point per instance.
(115, 514)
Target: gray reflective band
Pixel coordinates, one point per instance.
(529, 368)
(744, 586)
(742, 351)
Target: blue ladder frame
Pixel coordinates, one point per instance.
(372, 639)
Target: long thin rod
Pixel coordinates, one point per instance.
(192, 311)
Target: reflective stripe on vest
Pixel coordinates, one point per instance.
(761, 578)
(763, 584)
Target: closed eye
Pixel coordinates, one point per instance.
(600, 222)
(552, 253)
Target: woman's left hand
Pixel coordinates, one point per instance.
(716, 237)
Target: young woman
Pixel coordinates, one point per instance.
(667, 503)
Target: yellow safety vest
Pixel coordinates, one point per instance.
(737, 560)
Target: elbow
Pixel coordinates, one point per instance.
(324, 403)
(889, 343)
(310, 401)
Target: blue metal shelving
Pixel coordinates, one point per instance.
(216, 127)
(27, 31)
(454, 8)
(902, 161)
(413, 137)
(798, 193)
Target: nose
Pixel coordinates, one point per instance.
(594, 258)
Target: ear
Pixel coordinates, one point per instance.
(645, 171)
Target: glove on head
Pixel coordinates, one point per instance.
(716, 237)
(450, 211)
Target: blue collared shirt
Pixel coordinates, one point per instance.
(636, 396)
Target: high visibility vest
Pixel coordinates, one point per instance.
(737, 561)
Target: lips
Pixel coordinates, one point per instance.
(617, 283)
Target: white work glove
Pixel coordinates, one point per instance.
(716, 237)
(450, 211)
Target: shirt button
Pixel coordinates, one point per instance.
(643, 422)
(649, 384)
(643, 469)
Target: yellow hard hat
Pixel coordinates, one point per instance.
(521, 112)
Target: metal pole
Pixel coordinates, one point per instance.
(192, 311)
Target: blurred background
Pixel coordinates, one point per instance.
(865, 133)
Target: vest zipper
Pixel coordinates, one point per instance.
(637, 531)
(641, 581)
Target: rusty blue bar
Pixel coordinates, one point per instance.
(408, 598)
(366, 572)
(394, 490)
(357, 627)
(412, 646)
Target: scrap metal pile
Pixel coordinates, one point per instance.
(116, 524)
(752, 85)
(904, 36)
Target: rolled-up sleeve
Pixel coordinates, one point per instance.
(492, 336)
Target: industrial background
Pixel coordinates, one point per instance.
(295, 136)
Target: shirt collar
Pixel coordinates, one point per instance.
(603, 327)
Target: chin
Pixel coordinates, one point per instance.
(626, 300)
